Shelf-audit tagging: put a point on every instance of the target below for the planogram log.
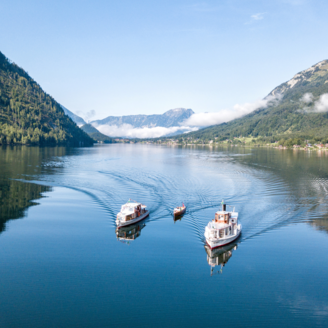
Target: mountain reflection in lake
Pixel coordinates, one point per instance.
(62, 264)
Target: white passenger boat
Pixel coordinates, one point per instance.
(130, 213)
(224, 229)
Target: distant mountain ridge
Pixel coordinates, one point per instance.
(170, 118)
(121, 126)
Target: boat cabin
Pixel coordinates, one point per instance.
(130, 211)
(223, 225)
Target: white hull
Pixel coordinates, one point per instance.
(218, 242)
(127, 223)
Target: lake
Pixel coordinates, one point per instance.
(63, 264)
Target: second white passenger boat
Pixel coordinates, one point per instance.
(224, 229)
(130, 213)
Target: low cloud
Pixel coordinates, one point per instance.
(89, 115)
(258, 16)
(193, 123)
(128, 131)
(307, 98)
(321, 105)
(225, 115)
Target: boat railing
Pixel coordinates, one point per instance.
(224, 232)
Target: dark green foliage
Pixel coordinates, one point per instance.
(96, 135)
(30, 116)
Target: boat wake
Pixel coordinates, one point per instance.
(264, 197)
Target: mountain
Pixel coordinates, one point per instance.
(96, 135)
(299, 111)
(170, 119)
(28, 115)
(77, 119)
(311, 78)
(87, 128)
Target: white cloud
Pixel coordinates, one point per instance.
(89, 115)
(225, 115)
(307, 97)
(128, 131)
(193, 123)
(321, 105)
(258, 16)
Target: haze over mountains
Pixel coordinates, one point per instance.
(295, 109)
(139, 126)
(145, 126)
(77, 119)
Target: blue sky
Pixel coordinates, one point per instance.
(145, 57)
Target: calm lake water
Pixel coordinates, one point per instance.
(62, 263)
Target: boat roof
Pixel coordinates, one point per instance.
(132, 204)
(129, 208)
(233, 214)
(224, 212)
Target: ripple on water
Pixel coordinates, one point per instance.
(264, 198)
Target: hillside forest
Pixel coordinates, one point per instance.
(29, 116)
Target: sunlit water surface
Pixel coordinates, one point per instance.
(63, 264)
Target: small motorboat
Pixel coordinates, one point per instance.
(224, 229)
(179, 211)
(131, 212)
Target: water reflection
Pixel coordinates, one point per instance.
(177, 218)
(219, 256)
(26, 163)
(15, 198)
(129, 233)
(320, 224)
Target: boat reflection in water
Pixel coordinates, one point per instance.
(177, 218)
(219, 256)
(131, 232)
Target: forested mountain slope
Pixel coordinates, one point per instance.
(300, 112)
(30, 116)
